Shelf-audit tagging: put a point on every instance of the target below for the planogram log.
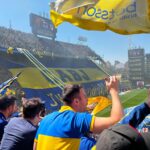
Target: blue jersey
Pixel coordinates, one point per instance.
(87, 143)
(63, 129)
(138, 117)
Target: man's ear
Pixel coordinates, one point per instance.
(9, 110)
(39, 115)
(76, 101)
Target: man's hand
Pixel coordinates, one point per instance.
(102, 123)
(112, 84)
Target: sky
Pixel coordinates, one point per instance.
(109, 45)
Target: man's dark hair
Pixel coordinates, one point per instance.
(6, 101)
(32, 107)
(70, 92)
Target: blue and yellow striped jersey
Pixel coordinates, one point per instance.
(63, 129)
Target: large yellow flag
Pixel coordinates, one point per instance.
(121, 16)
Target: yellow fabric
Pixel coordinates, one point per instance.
(64, 108)
(93, 148)
(10, 50)
(92, 123)
(97, 104)
(32, 78)
(10, 92)
(47, 142)
(121, 16)
(70, 4)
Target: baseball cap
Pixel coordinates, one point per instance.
(123, 137)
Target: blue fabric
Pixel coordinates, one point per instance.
(53, 102)
(69, 70)
(136, 116)
(67, 124)
(144, 126)
(3, 123)
(18, 135)
(63, 129)
(87, 143)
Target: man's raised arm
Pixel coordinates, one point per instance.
(101, 123)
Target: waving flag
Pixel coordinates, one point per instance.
(97, 104)
(6, 84)
(120, 16)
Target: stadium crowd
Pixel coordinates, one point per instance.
(70, 127)
(17, 39)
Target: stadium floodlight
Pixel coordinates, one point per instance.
(82, 39)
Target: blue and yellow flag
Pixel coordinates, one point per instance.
(5, 85)
(37, 81)
(120, 16)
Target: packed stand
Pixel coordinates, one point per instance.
(17, 39)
